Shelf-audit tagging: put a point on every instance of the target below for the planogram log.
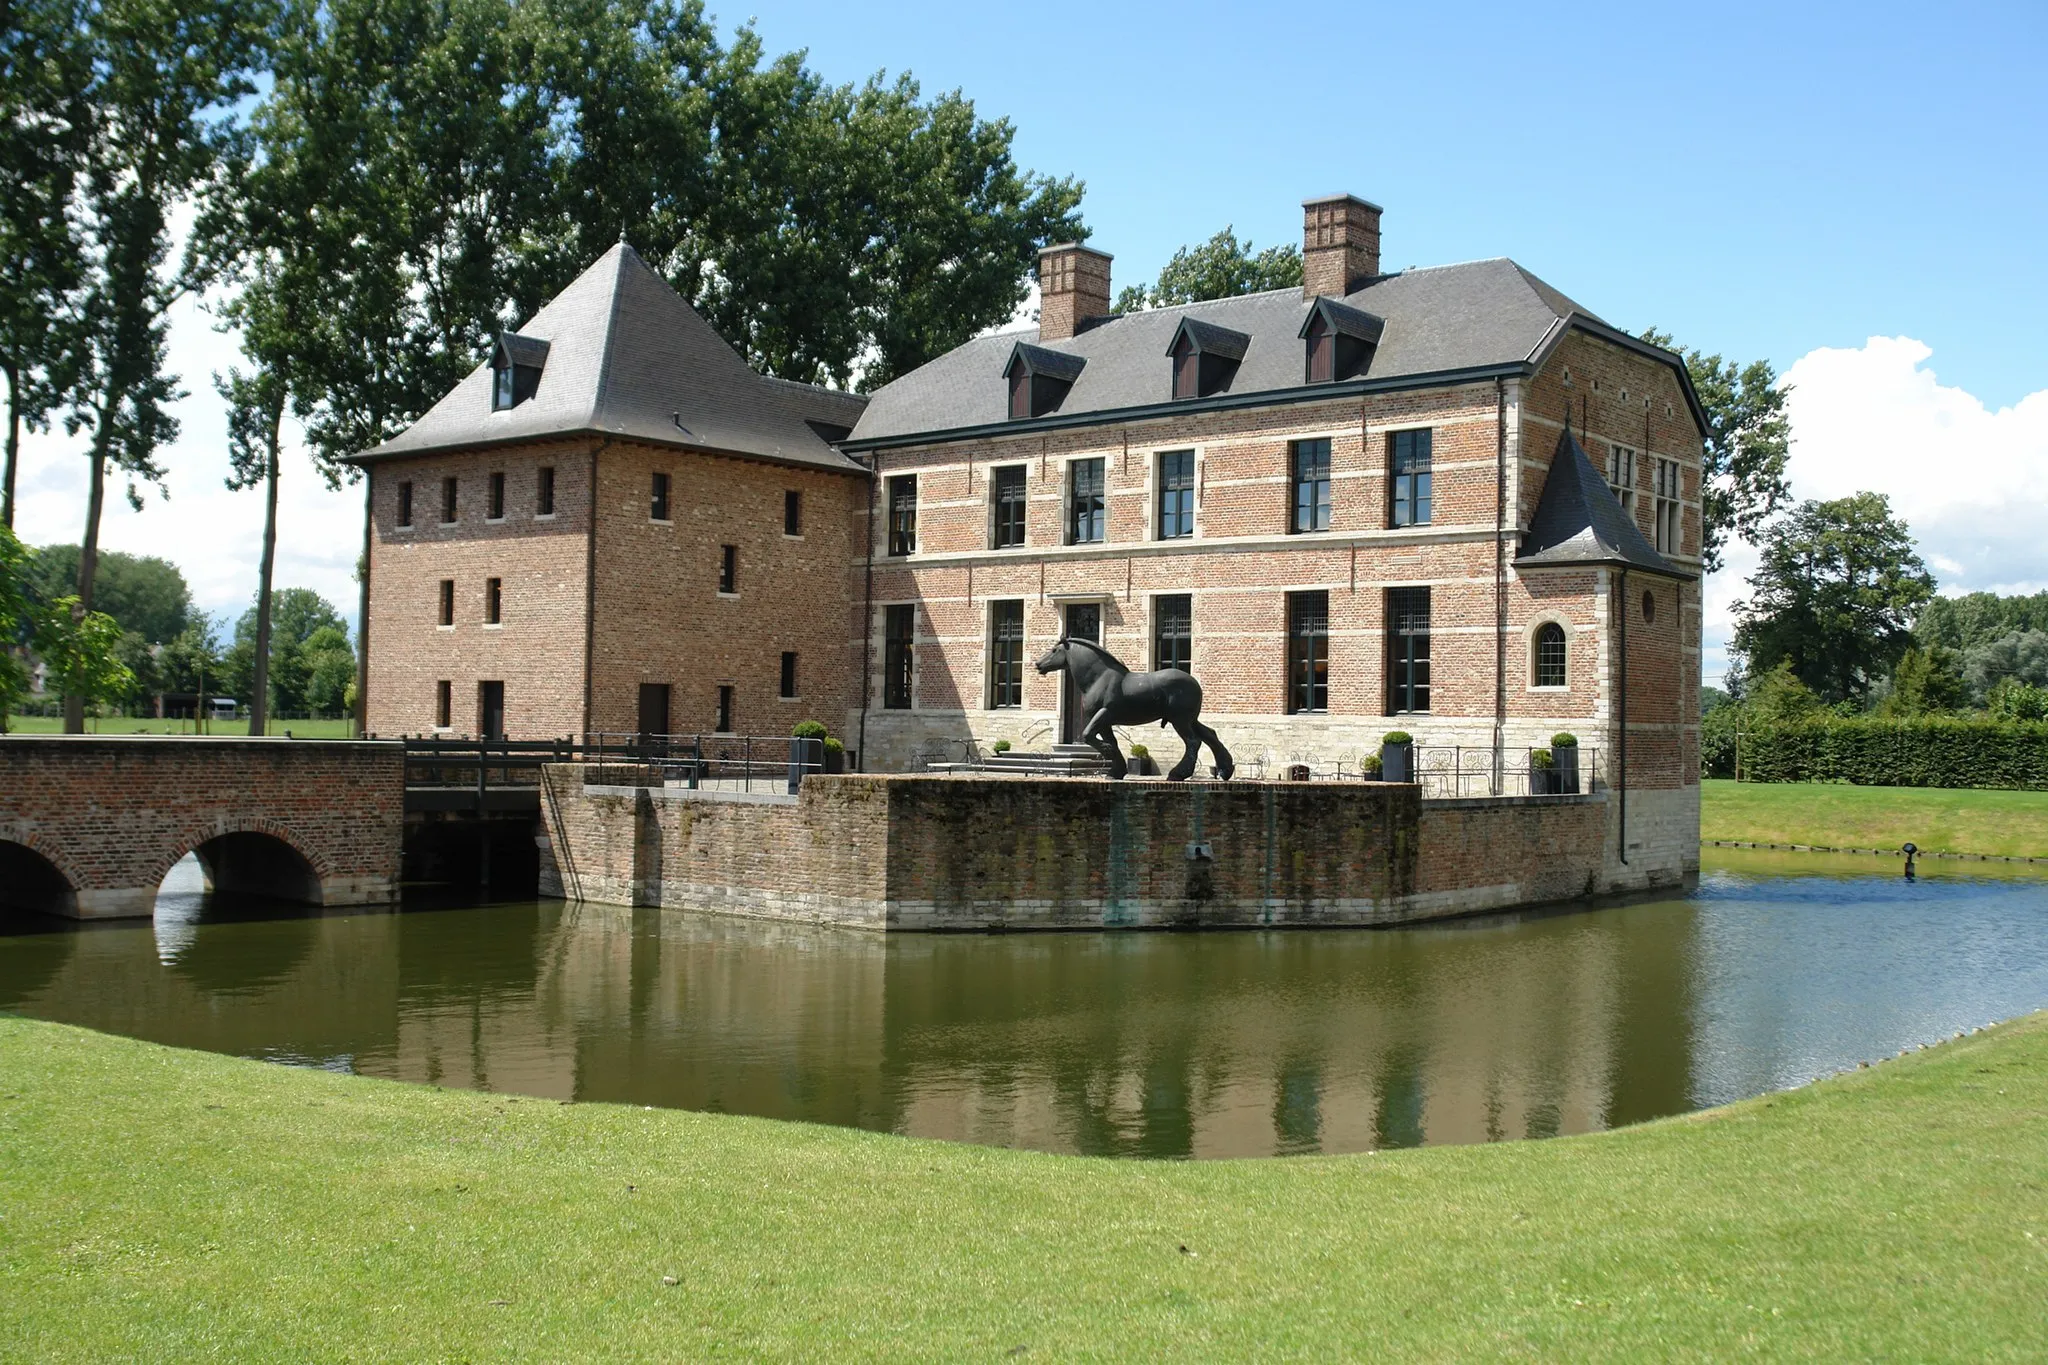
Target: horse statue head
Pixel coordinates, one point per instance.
(1055, 659)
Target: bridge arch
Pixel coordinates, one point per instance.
(253, 857)
(34, 877)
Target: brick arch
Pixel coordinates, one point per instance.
(49, 850)
(189, 842)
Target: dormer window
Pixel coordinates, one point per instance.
(1039, 379)
(1205, 358)
(1339, 341)
(516, 363)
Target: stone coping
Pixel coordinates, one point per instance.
(233, 740)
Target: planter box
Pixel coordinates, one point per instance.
(1566, 772)
(1397, 762)
(1543, 781)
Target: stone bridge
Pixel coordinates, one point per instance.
(89, 824)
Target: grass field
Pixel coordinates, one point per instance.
(2012, 824)
(162, 1204)
(143, 725)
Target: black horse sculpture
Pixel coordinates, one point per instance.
(1112, 695)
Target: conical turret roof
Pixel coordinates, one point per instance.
(1579, 522)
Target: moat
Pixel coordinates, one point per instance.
(1775, 970)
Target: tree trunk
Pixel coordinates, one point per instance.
(259, 700)
(13, 448)
(89, 552)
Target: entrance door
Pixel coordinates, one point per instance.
(490, 710)
(1084, 622)
(653, 713)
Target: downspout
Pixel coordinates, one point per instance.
(867, 624)
(362, 609)
(1500, 579)
(1621, 771)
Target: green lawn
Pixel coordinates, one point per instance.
(161, 1204)
(1830, 815)
(143, 725)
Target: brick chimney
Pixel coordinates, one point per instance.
(1073, 286)
(1340, 244)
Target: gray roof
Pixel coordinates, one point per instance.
(1040, 360)
(1579, 522)
(1437, 321)
(1344, 320)
(626, 356)
(1210, 339)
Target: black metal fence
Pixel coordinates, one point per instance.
(715, 762)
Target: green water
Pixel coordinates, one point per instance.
(1777, 969)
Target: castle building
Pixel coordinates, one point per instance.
(1448, 501)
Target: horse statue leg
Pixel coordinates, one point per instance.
(1225, 765)
(1186, 729)
(1101, 736)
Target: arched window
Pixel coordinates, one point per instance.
(1550, 655)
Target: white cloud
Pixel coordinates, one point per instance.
(1972, 482)
(213, 535)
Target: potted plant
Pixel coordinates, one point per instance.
(1564, 751)
(1397, 756)
(1001, 746)
(1141, 761)
(1542, 773)
(1369, 768)
(811, 750)
(835, 755)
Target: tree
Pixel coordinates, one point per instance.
(1778, 695)
(2021, 656)
(1742, 480)
(168, 74)
(191, 663)
(1220, 268)
(1837, 586)
(19, 620)
(1978, 618)
(300, 617)
(143, 593)
(82, 652)
(45, 122)
(1926, 681)
(330, 672)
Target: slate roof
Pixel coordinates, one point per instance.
(1210, 339)
(626, 356)
(1441, 321)
(1579, 522)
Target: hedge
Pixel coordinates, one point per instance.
(1869, 752)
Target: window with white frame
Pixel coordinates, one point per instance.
(1667, 507)
(1621, 476)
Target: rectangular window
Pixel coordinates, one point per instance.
(490, 710)
(657, 508)
(789, 673)
(1007, 487)
(448, 502)
(495, 510)
(444, 705)
(898, 638)
(903, 514)
(729, 568)
(1308, 651)
(792, 512)
(544, 497)
(405, 503)
(724, 726)
(494, 601)
(1311, 486)
(1408, 456)
(1086, 522)
(1176, 494)
(1668, 508)
(1006, 657)
(447, 601)
(1407, 650)
(1621, 476)
(1173, 632)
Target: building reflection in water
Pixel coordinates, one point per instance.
(1159, 1045)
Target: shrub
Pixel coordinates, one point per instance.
(1541, 758)
(1372, 764)
(1397, 737)
(1001, 746)
(1140, 751)
(808, 729)
(1564, 740)
(833, 746)
(1925, 751)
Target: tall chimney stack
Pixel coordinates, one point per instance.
(1340, 244)
(1073, 286)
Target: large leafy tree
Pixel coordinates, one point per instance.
(167, 75)
(145, 594)
(45, 127)
(82, 650)
(306, 632)
(1834, 596)
(1220, 268)
(1743, 481)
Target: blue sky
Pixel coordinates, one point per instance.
(1857, 194)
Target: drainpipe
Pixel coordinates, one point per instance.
(590, 591)
(362, 615)
(867, 626)
(1500, 577)
(1621, 771)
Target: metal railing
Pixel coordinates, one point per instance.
(714, 762)
(1449, 771)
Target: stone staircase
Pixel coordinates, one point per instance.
(1065, 760)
